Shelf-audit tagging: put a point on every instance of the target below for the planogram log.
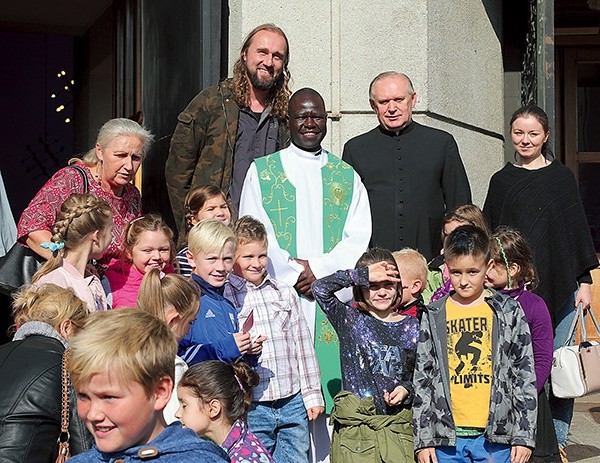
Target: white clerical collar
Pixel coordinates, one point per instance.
(305, 154)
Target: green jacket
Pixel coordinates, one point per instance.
(203, 143)
(359, 435)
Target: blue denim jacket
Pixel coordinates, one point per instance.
(174, 444)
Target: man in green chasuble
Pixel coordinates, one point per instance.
(317, 215)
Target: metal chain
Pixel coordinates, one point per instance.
(64, 437)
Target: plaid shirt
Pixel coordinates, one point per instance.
(288, 362)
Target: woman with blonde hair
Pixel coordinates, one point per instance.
(106, 171)
(30, 367)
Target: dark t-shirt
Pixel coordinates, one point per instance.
(257, 136)
(376, 356)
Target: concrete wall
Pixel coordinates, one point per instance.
(451, 51)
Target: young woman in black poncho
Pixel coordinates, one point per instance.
(538, 195)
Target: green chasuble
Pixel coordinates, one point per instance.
(279, 202)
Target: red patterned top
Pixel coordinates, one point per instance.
(41, 212)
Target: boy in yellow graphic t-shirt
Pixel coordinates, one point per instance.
(475, 395)
(469, 331)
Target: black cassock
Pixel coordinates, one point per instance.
(412, 178)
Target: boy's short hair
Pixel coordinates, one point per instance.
(130, 343)
(414, 262)
(209, 235)
(249, 230)
(467, 240)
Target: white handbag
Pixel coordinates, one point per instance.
(575, 368)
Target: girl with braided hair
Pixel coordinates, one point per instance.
(214, 399)
(513, 273)
(82, 231)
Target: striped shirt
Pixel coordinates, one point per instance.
(185, 268)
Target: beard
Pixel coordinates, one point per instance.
(262, 83)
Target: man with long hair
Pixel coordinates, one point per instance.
(228, 125)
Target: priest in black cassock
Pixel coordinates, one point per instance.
(413, 173)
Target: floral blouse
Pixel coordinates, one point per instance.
(41, 212)
(244, 447)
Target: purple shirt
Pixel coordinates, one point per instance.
(540, 325)
(244, 447)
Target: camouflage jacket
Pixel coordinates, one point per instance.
(513, 402)
(203, 143)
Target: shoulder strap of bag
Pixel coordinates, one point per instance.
(84, 176)
(588, 311)
(573, 327)
(581, 315)
(63, 439)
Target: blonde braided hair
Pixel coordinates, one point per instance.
(80, 215)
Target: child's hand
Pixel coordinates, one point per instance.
(427, 455)
(519, 454)
(243, 342)
(314, 412)
(382, 271)
(256, 345)
(395, 397)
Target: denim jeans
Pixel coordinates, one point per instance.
(562, 409)
(474, 449)
(282, 425)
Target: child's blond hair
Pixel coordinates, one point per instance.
(209, 235)
(132, 344)
(158, 291)
(413, 262)
(249, 230)
(49, 303)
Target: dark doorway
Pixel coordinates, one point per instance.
(181, 53)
